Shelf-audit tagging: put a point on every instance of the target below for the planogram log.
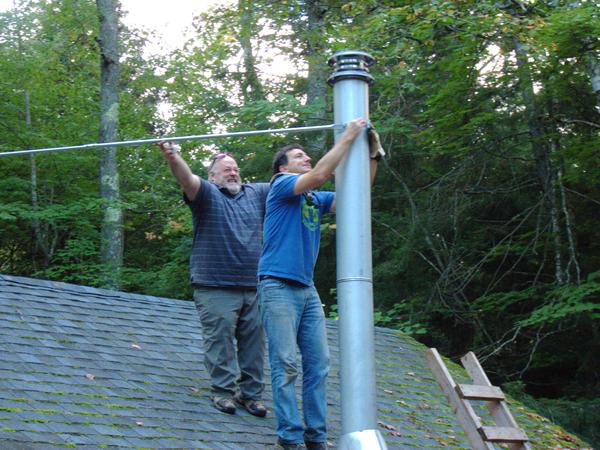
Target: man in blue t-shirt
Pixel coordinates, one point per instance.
(227, 217)
(290, 306)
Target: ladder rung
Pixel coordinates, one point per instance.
(503, 434)
(505, 429)
(475, 392)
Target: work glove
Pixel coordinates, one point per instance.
(376, 151)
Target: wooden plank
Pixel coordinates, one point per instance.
(476, 392)
(471, 364)
(465, 415)
(498, 409)
(503, 434)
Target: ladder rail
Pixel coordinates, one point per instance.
(506, 429)
(465, 414)
(498, 410)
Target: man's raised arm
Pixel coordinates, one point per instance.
(180, 170)
(327, 164)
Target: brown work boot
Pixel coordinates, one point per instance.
(224, 404)
(254, 407)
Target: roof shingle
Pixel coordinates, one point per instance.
(84, 367)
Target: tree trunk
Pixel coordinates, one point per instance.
(112, 226)
(316, 91)
(592, 65)
(593, 69)
(545, 171)
(252, 89)
(39, 241)
(572, 263)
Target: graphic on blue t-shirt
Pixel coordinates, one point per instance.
(291, 246)
(310, 214)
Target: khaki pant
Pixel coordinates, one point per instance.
(234, 343)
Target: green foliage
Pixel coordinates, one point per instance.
(392, 318)
(567, 301)
(333, 312)
(580, 416)
(485, 209)
(51, 229)
(467, 244)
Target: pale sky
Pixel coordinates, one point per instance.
(170, 18)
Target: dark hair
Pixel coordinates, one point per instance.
(281, 159)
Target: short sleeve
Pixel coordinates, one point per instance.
(283, 186)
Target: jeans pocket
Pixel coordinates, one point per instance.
(272, 291)
(271, 283)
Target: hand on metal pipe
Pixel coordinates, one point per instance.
(354, 127)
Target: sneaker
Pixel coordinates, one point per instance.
(315, 445)
(224, 404)
(254, 407)
(288, 445)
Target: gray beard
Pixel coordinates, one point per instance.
(233, 189)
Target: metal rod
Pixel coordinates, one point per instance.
(196, 137)
(350, 81)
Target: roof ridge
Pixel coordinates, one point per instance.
(55, 286)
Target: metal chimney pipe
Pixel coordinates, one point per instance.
(350, 80)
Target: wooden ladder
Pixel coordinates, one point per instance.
(480, 437)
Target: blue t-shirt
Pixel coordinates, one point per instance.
(227, 235)
(292, 231)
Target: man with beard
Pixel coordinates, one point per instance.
(227, 227)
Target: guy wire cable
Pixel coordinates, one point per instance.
(333, 126)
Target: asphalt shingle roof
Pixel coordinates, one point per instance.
(92, 368)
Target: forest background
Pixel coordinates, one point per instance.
(485, 209)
